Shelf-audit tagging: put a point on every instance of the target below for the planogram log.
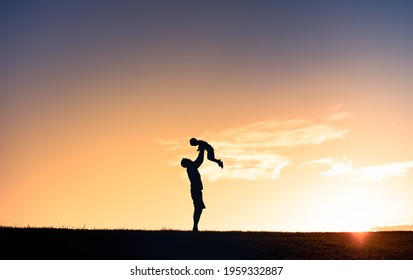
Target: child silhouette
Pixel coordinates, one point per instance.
(202, 145)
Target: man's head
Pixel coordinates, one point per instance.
(193, 142)
(186, 162)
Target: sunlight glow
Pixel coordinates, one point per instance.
(353, 209)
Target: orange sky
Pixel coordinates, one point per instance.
(314, 132)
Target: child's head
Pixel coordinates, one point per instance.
(193, 142)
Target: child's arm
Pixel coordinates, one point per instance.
(202, 145)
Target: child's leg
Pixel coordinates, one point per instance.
(211, 156)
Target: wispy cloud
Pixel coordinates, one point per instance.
(248, 167)
(339, 116)
(382, 171)
(278, 134)
(344, 167)
(255, 151)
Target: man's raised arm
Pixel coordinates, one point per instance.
(200, 159)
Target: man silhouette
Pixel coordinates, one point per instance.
(196, 185)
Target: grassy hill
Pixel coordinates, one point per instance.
(80, 244)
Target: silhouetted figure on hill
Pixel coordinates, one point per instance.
(202, 145)
(196, 185)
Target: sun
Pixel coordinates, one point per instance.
(351, 209)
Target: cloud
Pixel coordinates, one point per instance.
(344, 167)
(248, 167)
(339, 116)
(338, 167)
(255, 151)
(278, 134)
(382, 171)
(171, 145)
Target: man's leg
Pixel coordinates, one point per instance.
(197, 216)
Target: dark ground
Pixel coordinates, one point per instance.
(79, 244)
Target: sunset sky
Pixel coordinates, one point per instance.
(308, 103)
